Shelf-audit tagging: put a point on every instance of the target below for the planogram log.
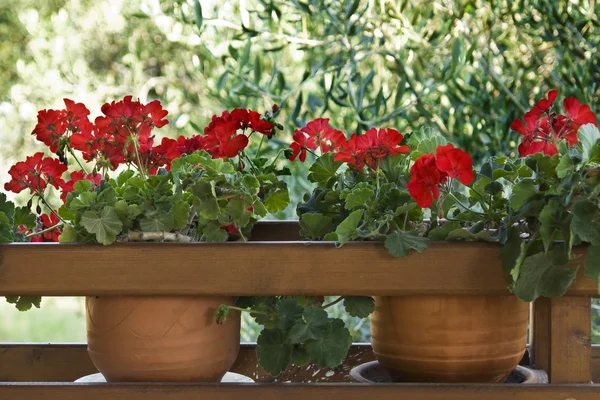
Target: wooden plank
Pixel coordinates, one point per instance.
(254, 268)
(40, 362)
(296, 392)
(62, 362)
(276, 231)
(540, 337)
(562, 344)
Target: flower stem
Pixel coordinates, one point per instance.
(44, 230)
(463, 206)
(77, 159)
(51, 209)
(333, 302)
(248, 310)
(262, 138)
(139, 161)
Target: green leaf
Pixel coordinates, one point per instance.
(592, 263)
(124, 177)
(157, 221)
(565, 166)
(588, 136)
(586, 221)
(315, 226)
(315, 324)
(548, 228)
(198, 14)
(324, 169)
(359, 306)
(522, 192)
(24, 303)
(273, 351)
(513, 253)
(259, 208)
(105, 225)
(300, 357)
(68, 234)
(180, 213)
(539, 276)
(347, 229)
(277, 200)
(83, 185)
(331, 350)
(361, 197)
(442, 231)
(213, 233)
(251, 183)
(400, 243)
(289, 313)
(6, 229)
(23, 216)
(205, 200)
(238, 209)
(458, 52)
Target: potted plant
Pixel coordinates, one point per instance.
(203, 188)
(408, 191)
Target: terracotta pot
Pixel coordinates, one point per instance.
(450, 338)
(161, 338)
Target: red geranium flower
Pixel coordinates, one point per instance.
(455, 163)
(35, 173)
(189, 145)
(299, 146)
(323, 136)
(423, 184)
(543, 130)
(50, 128)
(352, 152)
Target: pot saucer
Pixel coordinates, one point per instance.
(230, 377)
(373, 372)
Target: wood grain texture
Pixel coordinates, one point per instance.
(38, 362)
(62, 362)
(563, 339)
(254, 268)
(296, 392)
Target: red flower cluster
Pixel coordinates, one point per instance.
(221, 138)
(44, 222)
(357, 151)
(35, 174)
(55, 126)
(430, 171)
(125, 125)
(543, 130)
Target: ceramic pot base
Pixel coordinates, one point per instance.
(373, 372)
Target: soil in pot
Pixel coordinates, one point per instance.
(450, 338)
(161, 338)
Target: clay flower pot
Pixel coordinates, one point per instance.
(161, 338)
(450, 338)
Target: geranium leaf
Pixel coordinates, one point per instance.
(251, 183)
(238, 209)
(330, 350)
(324, 169)
(277, 200)
(23, 216)
(157, 221)
(588, 136)
(180, 213)
(361, 197)
(315, 226)
(273, 351)
(513, 253)
(565, 166)
(539, 276)
(347, 229)
(400, 243)
(83, 185)
(259, 208)
(289, 311)
(68, 234)
(549, 230)
(315, 324)
(24, 303)
(522, 192)
(205, 200)
(442, 231)
(300, 357)
(586, 221)
(6, 228)
(592, 263)
(105, 225)
(213, 233)
(359, 306)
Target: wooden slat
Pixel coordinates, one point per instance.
(276, 231)
(296, 392)
(39, 362)
(563, 338)
(253, 268)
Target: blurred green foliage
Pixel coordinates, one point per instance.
(466, 68)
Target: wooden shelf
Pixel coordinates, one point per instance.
(254, 268)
